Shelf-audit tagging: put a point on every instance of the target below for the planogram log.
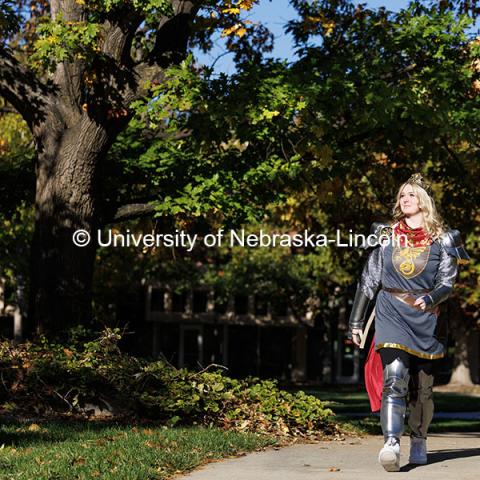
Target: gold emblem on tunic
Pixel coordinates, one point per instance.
(410, 261)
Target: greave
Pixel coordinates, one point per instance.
(420, 404)
(395, 389)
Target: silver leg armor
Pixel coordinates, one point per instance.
(395, 389)
(420, 404)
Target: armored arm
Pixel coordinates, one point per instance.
(451, 253)
(367, 288)
(360, 306)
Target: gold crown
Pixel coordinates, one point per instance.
(417, 179)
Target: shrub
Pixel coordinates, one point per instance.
(51, 378)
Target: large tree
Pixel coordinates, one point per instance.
(72, 70)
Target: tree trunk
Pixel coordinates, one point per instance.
(61, 272)
(75, 115)
(461, 365)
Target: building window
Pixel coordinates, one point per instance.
(241, 304)
(261, 305)
(220, 305)
(279, 306)
(200, 301)
(158, 300)
(179, 301)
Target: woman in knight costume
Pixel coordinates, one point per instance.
(413, 271)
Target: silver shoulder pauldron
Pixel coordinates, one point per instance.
(451, 241)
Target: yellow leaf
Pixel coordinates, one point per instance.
(245, 4)
(238, 29)
(328, 27)
(310, 19)
(150, 444)
(269, 114)
(52, 39)
(233, 11)
(241, 32)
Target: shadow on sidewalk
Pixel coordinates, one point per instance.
(442, 455)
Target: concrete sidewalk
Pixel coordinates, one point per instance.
(450, 456)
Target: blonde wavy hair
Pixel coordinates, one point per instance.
(433, 222)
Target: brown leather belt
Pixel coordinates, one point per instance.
(406, 295)
(398, 290)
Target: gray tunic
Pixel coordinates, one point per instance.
(397, 323)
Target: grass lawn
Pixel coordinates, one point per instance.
(348, 399)
(355, 400)
(371, 425)
(86, 450)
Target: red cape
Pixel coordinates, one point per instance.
(374, 377)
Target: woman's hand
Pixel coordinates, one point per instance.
(420, 303)
(357, 336)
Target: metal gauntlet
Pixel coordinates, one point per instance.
(359, 309)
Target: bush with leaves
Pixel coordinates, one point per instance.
(51, 379)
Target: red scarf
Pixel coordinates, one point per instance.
(416, 237)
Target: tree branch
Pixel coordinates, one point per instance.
(8, 110)
(131, 211)
(395, 75)
(21, 89)
(145, 74)
(119, 32)
(173, 33)
(170, 48)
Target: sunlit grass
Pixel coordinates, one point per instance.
(371, 425)
(58, 450)
(353, 400)
(346, 400)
